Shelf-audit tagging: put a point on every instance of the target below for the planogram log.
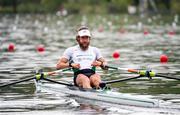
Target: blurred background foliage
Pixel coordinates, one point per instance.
(88, 6)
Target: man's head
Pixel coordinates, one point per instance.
(83, 37)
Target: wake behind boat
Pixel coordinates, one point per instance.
(104, 95)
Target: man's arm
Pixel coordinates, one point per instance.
(100, 62)
(62, 63)
(103, 61)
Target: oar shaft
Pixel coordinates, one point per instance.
(22, 72)
(159, 75)
(16, 72)
(26, 79)
(133, 71)
(121, 80)
(58, 71)
(126, 69)
(58, 82)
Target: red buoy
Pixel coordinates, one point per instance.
(40, 48)
(171, 33)
(146, 32)
(11, 47)
(164, 58)
(116, 55)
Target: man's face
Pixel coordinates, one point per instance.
(84, 42)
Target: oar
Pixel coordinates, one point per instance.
(58, 82)
(17, 72)
(144, 73)
(159, 75)
(45, 74)
(104, 83)
(28, 71)
(19, 81)
(37, 76)
(121, 80)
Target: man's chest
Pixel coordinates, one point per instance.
(79, 56)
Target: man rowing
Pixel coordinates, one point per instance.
(84, 59)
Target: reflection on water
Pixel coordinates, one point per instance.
(139, 42)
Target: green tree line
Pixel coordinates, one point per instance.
(82, 6)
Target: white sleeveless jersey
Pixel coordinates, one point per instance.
(84, 58)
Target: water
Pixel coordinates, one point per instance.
(110, 33)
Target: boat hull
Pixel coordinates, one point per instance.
(99, 95)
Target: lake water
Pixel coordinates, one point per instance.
(140, 42)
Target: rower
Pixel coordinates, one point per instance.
(84, 59)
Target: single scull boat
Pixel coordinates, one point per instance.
(105, 95)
